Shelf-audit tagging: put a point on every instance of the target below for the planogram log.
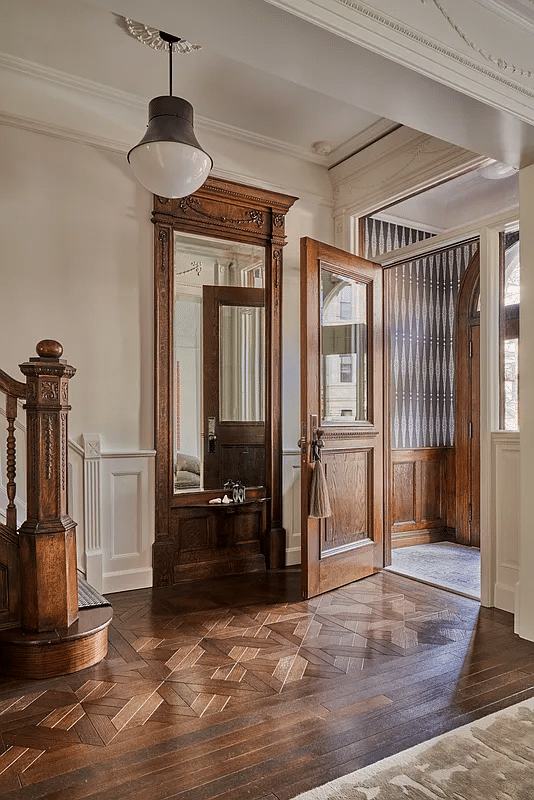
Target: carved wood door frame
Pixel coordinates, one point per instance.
(231, 211)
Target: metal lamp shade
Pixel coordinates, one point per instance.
(169, 161)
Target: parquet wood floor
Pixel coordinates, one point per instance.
(237, 689)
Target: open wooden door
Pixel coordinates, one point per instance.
(234, 385)
(341, 406)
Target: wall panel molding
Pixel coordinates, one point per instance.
(506, 466)
(291, 504)
(127, 514)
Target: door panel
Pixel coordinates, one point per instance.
(341, 405)
(233, 389)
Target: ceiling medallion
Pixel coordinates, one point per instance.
(152, 37)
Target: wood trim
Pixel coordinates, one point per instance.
(466, 317)
(12, 387)
(424, 491)
(349, 544)
(227, 210)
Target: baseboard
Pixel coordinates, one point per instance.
(504, 597)
(126, 580)
(428, 536)
(293, 556)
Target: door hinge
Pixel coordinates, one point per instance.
(470, 348)
(470, 513)
(470, 429)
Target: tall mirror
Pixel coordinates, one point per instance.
(218, 274)
(219, 363)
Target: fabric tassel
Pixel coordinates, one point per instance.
(319, 499)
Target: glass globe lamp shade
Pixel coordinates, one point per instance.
(169, 161)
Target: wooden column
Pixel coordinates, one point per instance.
(49, 582)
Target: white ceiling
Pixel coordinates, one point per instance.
(296, 72)
(467, 198)
(93, 43)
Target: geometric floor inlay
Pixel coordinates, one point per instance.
(172, 669)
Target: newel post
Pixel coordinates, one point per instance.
(49, 581)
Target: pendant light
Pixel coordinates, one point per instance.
(169, 161)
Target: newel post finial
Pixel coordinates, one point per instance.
(47, 540)
(49, 348)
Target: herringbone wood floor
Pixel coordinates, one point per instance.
(238, 689)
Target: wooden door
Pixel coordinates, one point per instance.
(341, 398)
(474, 505)
(234, 385)
(467, 421)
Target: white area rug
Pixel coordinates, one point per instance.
(444, 564)
(490, 759)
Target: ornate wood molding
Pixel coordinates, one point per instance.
(232, 211)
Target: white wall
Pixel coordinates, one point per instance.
(76, 244)
(76, 266)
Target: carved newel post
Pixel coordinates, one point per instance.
(49, 581)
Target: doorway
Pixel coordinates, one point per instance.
(432, 329)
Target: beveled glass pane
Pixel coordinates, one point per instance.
(242, 364)
(344, 349)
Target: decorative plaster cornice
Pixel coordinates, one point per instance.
(500, 63)
(437, 47)
(402, 164)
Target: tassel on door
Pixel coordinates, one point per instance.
(319, 497)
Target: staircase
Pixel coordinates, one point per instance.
(44, 628)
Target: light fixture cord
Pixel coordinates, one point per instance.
(170, 69)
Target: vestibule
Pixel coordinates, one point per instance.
(501, 543)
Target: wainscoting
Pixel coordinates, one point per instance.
(118, 516)
(291, 504)
(505, 517)
(111, 497)
(421, 499)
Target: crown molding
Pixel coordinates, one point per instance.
(35, 126)
(22, 66)
(396, 167)
(303, 197)
(45, 75)
(514, 12)
(375, 30)
(368, 136)
(60, 132)
(408, 223)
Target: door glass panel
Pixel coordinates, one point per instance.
(344, 349)
(241, 364)
(509, 331)
(201, 261)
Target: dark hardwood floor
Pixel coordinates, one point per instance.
(237, 689)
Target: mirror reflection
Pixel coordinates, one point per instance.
(344, 349)
(201, 433)
(241, 364)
